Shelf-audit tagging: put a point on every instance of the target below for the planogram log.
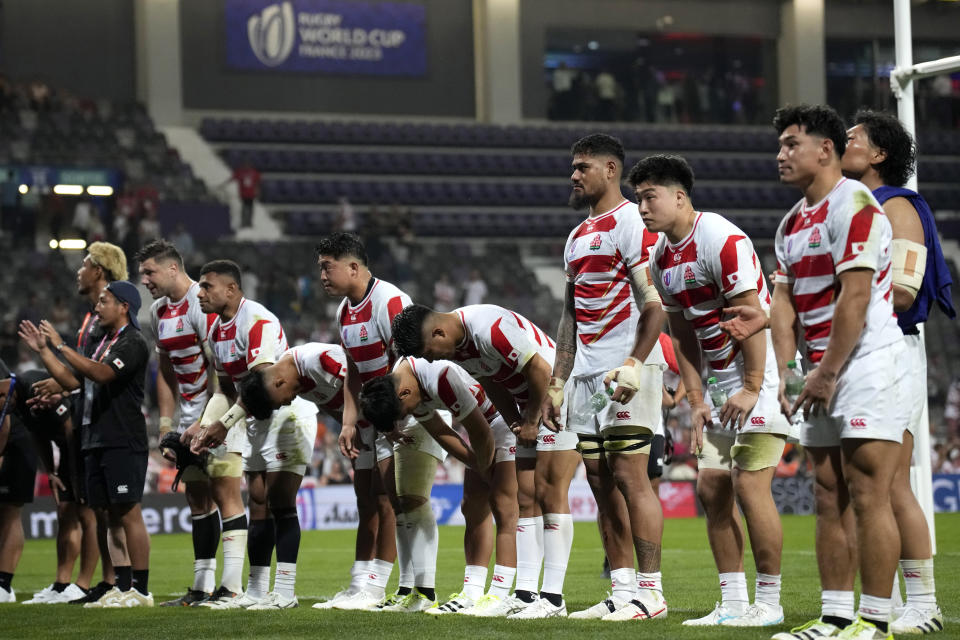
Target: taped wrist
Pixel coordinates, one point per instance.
(217, 405)
(628, 375)
(166, 425)
(235, 414)
(555, 390)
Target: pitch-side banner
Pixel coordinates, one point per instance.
(326, 36)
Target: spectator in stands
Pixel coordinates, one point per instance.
(608, 95)
(475, 290)
(444, 294)
(251, 283)
(335, 474)
(346, 216)
(149, 226)
(182, 239)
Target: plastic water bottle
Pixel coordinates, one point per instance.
(793, 382)
(219, 450)
(717, 395)
(593, 405)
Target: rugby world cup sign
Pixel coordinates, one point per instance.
(326, 36)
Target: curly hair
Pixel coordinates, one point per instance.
(887, 133)
(819, 120)
(598, 144)
(407, 328)
(340, 244)
(379, 403)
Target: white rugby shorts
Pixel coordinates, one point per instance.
(283, 442)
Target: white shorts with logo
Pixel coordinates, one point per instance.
(422, 441)
(548, 440)
(192, 410)
(765, 417)
(643, 409)
(871, 401)
(283, 442)
(504, 440)
(915, 364)
(374, 448)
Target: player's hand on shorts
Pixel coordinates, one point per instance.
(526, 433)
(31, 336)
(550, 409)
(209, 437)
(743, 321)
(734, 412)
(349, 437)
(56, 486)
(627, 377)
(818, 389)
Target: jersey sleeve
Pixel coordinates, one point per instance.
(783, 274)
(262, 342)
(857, 238)
(733, 267)
(635, 244)
(667, 301)
(455, 393)
(510, 344)
(392, 306)
(326, 364)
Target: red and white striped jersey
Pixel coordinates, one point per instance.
(445, 386)
(845, 230)
(365, 330)
(250, 338)
(181, 328)
(322, 368)
(698, 275)
(600, 255)
(498, 343)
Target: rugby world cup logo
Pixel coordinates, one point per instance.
(271, 33)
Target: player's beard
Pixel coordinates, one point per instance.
(581, 200)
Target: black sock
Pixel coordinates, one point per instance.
(235, 523)
(837, 621)
(288, 534)
(402, 591)
(60, 586)
(429, 592)
(140, 578)
(525, 596)
(556, 599)
(260, 537)
(124, 577)
(883, 625)
(206, 536)
(5, 580)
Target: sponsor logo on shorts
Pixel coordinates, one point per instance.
(623, 415)
(122, 488)
(758, 421)
(282, 455)
(521, 528)
(513, 449)
(550, 439)
(859, 423)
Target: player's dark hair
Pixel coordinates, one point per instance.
(253, 395)
(379, 403)
(598, 144)
(662, 170)
(223, 268)
(342, 243)
(407, 328)
(815, 120)
(159, 249)
(886, 132)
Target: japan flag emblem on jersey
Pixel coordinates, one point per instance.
(858, 247)
(118, 363)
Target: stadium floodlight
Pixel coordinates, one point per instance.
(68, 189)
(23, 189)
(53, 243)
(73, 244)
(99, 190)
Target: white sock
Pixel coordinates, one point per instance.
(623, 583)
(733, 589)
(285, 581)
(426, 539)
(529, 553)
(205, 575)
(768, 589)
(474, 580)
(837, 603)
(652, 581)
(358, 575)
(258, 582)
(918, 580)
(378, 577)
(234, 548)
(874, 608)
(557, 540)
(405, 551)
(502, 580)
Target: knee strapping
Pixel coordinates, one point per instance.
(628, 443)
(590, 447)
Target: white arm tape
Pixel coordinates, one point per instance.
(909, 264)
(646, 292)
(217, 405)
(233, 416)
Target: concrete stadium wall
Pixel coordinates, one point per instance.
(446, 90)
(86, 47)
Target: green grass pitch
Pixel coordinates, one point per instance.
(690, 584)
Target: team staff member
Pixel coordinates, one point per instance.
(46, 425)
(114, 437)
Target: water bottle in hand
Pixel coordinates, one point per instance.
(717, 395)
(593, 405)
(793, 382)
